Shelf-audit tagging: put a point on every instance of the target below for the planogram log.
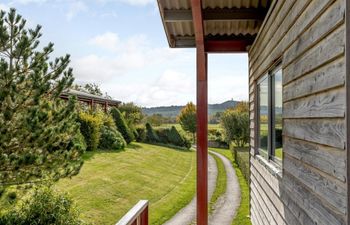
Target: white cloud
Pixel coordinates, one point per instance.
(125, 55)
(171, 88)
(138, 2)
(4, 7)
(108, 40)
(109, 15)
(131, 2)
(25, 2)
(223, 87)
(132, 57)
(75, 7)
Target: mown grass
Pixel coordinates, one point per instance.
(242, 216)
(221, 183)
(110, 183)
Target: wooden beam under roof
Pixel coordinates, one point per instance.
(216, 44)
(178, 15)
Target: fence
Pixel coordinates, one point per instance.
(138, 215)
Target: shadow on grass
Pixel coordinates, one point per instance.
(90, 154)
(173, 147)
(134, 146)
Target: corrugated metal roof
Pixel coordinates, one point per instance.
(81, 95)
(186, 4)
(177, 29)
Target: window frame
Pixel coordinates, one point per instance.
(260, 151)
(271, 117)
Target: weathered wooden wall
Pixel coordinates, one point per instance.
(310, 188)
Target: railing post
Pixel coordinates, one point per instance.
(144, 217)
(138, 215)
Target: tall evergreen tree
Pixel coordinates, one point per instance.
(38, 131)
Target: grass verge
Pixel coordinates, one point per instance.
(242, 216)
(110, 182)
(221, 182)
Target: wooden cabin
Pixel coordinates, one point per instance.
(90, 99)
(299, 96)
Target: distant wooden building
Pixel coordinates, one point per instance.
(90, 99)
(299, 94)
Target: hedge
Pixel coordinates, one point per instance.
(90, 127)
(151, 136)
(122, 126)
(44, 206)
(111, 139)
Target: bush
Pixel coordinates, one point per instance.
(79, 140)
(134, 132)
(43, 207)
(236, 127)
(151, 136)
(163, 134)
(111, 139)
(2, 190)
(216, 138)
(90, 127)
(122, 125)
(175, 137)
(141, 134)
(12, 196)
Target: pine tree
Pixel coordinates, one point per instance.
(38, 130)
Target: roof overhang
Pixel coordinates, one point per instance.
(228, 25)
(86, 97)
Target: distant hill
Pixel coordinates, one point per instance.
(173, 111)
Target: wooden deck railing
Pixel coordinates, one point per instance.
(138, 215)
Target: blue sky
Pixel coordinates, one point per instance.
(121, 46)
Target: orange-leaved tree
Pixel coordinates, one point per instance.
(187, 119)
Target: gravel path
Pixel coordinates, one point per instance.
(227, 205)
(188, 214)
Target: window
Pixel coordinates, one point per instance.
(269, 88)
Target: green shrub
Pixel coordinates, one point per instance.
(12, 196)
(111, 139)
(141, 134)
(151, 136)
(163, 134)
(43, 207)
(108, 121)
(79, 140)
(241, 157)
(122, 125)
(175, 138)
(2, 190)
(90, 127)
(172, 136)
(134, 132)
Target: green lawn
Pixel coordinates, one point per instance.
(221, 182)
(178, 126)
(110, 183)
(242, 216)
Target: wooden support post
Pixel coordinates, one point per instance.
(106, 107)
(347, 87)
(202, 115)
(202, 137)
(92, 104)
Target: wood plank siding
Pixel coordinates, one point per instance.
(308, 38)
